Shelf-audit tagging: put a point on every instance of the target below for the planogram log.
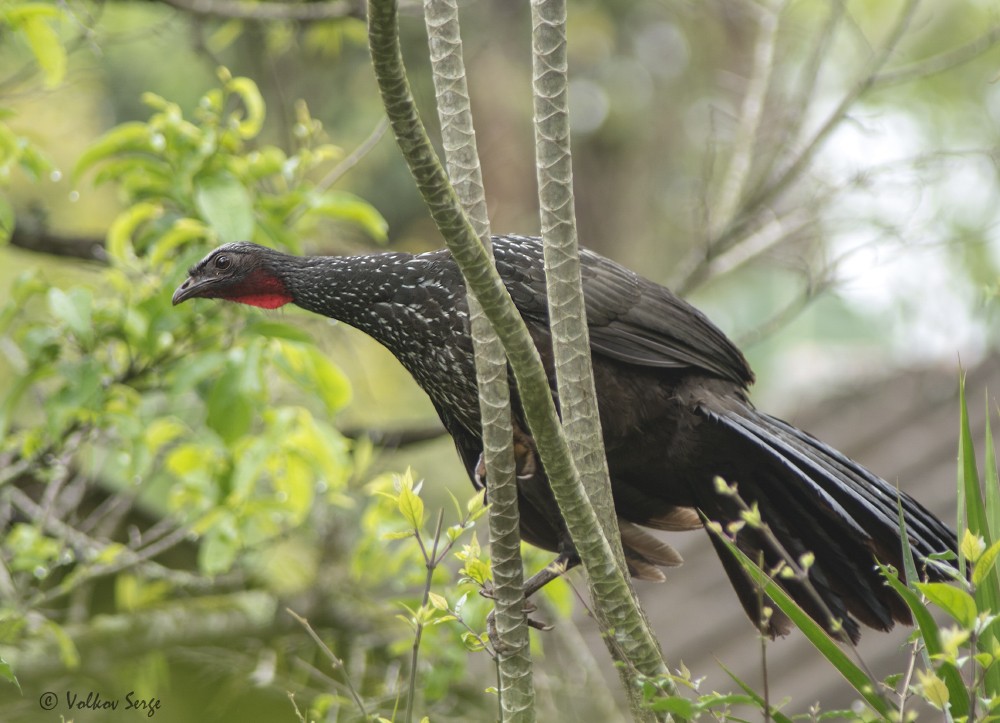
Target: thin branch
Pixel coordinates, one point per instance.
(941, 62)
(762, 241)
(41, 240)
(570, 339)
(126, 558)
(354, 157)
(794, 170)
(808, 82)
(482, 279)
(745, 141)
(513, 654)
(334, 660)
(430, 562)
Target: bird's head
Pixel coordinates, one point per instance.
(243, 272)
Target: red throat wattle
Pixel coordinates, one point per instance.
(263, 290)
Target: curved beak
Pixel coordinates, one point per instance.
(191, 288)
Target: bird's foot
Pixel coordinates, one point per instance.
(497, 643)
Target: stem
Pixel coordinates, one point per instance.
(334, 660)
(431, 563)
(786, 178)
(513, 658)
(567, 313)
(751, 115)
(483, 281)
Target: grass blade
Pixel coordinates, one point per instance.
(969, 488)
(971, 514)
(991, 481)
(854, 675)
(957, 694)
(776, 716)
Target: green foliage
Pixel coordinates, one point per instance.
(31, 22)
(34, 22)
(954, 665)
(215, 428)
(208, 180)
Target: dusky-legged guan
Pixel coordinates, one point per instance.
(672, 393)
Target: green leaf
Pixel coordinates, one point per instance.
(985, 564)
(437, 601)
(248, 92)
(295, 485)
(229, 411)
(397, 535)
(411, 507)
(68, 653)
(184, 230)
(219, 547)
(972, 546)
(333, 386)
(225, 204)
(932, 641)
(6, 220)
(344, 206)
(817, 635)
(188, 458)
(675, 705)
(992, 481)
(123, 228)
(934, 690)
(72, 309)
(313, 372)
(44, 41)
(970, 501)
(7, 673)
(132, 137)
(973, 515)
(957, 603)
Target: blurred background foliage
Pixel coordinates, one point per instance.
(172, 479)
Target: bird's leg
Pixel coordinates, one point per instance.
(534, 491)
(525, 460)
(533, 584)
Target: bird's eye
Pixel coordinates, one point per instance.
(223, 262)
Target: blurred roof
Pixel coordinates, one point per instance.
(904, 428)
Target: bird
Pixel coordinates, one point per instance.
(674, 406)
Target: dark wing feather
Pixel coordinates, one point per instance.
(630, 318)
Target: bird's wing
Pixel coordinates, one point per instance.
(631, 319)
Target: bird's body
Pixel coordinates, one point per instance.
(672, 393)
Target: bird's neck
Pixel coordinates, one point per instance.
(413, 305)
(385, 295)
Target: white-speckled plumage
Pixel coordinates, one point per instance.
(673, 401)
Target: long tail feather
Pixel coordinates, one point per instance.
(814, 499)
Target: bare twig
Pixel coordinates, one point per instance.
(771, 191)
(337, 663)
(126, 558)
(800, 573)
(430, 561)
(805, 157)
(354, 157)
(794, 112)
(751, 115)
(941, 62)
